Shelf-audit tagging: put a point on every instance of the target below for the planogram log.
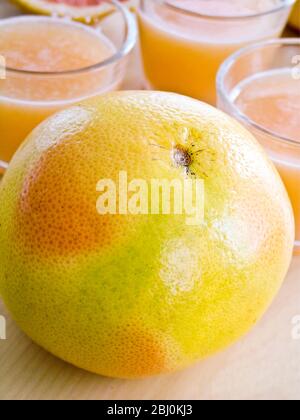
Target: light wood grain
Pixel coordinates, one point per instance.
(263, 365)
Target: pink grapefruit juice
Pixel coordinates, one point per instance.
(185, 41)
(271, 100)
(47, 61)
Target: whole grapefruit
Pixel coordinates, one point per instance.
(131, 295)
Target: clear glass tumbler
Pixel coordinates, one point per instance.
(28, 96)
(260, 87)
(184, 42)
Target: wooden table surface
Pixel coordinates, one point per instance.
(263, 365)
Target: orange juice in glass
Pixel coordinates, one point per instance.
(260, 86)
(52, 63)
(184, 42)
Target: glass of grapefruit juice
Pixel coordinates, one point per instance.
(184, 42)
(260, 86)
(52, 63)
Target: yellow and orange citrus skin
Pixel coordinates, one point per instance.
(132, 296)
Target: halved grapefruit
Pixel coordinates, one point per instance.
(82, 10)
(295, 16)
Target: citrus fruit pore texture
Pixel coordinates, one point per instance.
(137, 295)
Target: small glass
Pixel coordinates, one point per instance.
(28, 97)
(260, 87)
(184, 42)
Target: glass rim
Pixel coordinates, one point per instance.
(127, 46)
(225, 96)
(285, 4)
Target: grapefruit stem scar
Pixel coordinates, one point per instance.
(181, 156)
